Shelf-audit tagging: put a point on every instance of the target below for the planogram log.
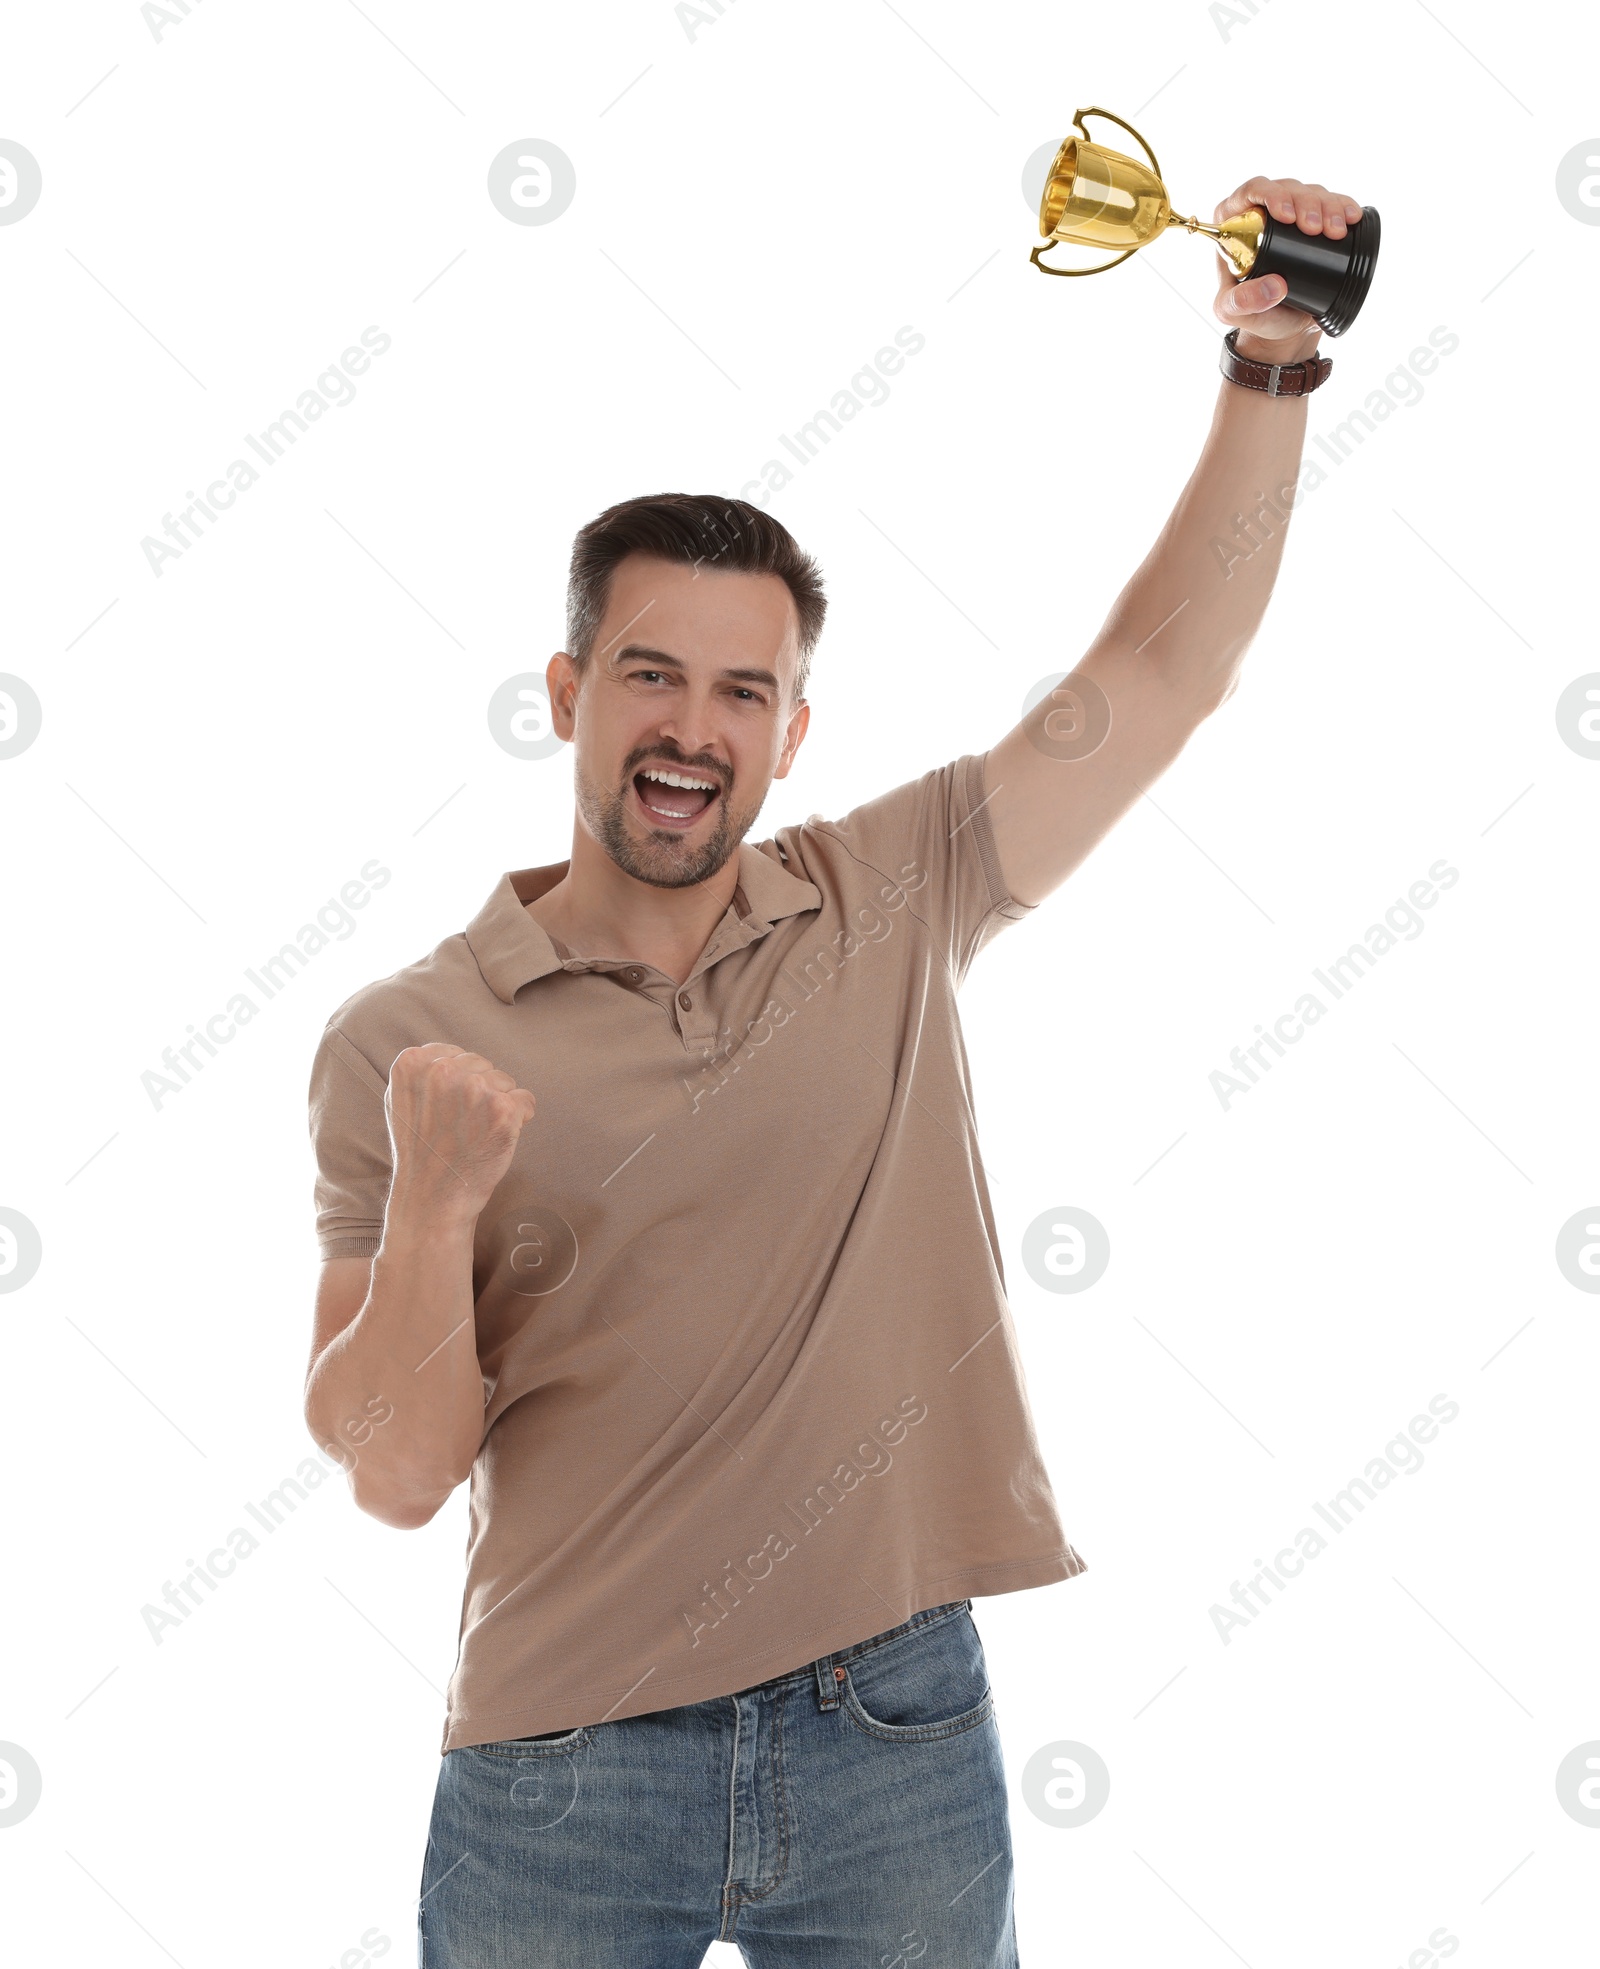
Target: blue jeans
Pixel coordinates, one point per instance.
(846, 1815)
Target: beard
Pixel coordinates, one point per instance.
(664, 859)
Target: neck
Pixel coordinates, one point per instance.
(598, 910)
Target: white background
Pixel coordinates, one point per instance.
(760, 205)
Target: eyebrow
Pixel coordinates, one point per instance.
(631, 652)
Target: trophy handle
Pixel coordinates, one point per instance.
(1076, 273)
(1077, 124)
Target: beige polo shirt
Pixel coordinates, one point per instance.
(752, 1388)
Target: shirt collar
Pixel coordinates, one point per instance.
(512, 950)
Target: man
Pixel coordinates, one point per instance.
(652, 1203)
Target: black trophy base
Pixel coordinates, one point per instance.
(1328, 278)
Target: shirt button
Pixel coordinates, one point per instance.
(633, 974)
(686, 1001)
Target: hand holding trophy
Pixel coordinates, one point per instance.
(1099, 197)
(1266, 328)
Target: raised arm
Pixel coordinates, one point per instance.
(1170, 650)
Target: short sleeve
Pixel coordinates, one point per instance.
(932, 838)
(350, 1139)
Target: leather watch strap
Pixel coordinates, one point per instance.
(1289, 379)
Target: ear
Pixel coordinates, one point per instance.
(561, 681)
(798, 722)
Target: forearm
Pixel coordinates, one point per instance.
(408, 1362)
(1197, 599)
(1171, 647)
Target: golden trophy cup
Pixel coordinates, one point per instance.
(1099, 197)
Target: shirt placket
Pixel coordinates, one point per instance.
(691, 1006)
(694, 1004)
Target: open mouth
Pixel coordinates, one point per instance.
(673, 799)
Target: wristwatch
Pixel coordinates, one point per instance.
(1277, 379)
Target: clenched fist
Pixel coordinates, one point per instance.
(1269, 329)
(454, 1122)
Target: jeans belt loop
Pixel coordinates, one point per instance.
(827, 1684)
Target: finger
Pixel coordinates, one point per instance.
(522, 1112)
(1251, 192)
(1249, 306)
(1249, 299)
(1273, 195)
(472, 1063)
(1308, 208)
(1332, 208)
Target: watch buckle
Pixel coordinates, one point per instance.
(1272, 378)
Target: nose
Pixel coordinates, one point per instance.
(691, 730)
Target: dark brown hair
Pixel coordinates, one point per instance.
(694, 530)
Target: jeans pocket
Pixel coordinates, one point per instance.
(545, 1746)
(921, 1686)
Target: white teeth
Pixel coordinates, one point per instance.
(676, 779)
